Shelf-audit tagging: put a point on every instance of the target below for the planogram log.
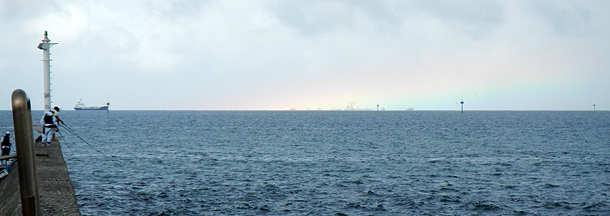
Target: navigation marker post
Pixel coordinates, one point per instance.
(45, 46)
(462, 103)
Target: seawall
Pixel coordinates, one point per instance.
(54, 185)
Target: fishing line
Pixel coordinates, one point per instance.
(72, 132)
(76, 135)
(67, 128)
(66, 141)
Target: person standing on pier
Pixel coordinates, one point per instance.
(6, 144)
(56, 115)
(57, 120)
(48, 127)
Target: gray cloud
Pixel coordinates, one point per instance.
(310, 18)
(277, 54)
(563, 17)
(476, 17)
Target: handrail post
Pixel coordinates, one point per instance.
(24, 141)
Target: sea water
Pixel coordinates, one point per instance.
(338, 162)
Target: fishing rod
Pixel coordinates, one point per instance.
(76, 135)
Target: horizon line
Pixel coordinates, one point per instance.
(300, 110)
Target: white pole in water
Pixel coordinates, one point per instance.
(462, 102)
(45, 46)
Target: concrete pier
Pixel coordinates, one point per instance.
(54, 185)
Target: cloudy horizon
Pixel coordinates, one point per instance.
(274, 55)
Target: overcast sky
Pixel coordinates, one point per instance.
(272, 55)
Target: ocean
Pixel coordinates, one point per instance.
(337, 162)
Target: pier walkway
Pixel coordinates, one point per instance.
(54, 185)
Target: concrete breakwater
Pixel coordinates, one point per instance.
(54, 185)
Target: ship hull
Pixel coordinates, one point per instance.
(90, 108)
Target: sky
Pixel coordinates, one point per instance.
(304, 54)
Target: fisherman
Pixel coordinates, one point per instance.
(56, 115)
(47, 128)
(6, 144)
(57, 120)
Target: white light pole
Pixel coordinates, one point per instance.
(45, 46)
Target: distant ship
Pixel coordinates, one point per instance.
(81, 106)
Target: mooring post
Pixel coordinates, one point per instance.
(28, 179)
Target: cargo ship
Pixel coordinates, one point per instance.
(81, 106)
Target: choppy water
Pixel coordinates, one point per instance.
(339, 163)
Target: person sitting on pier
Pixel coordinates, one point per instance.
(48, 128)
(6, 144)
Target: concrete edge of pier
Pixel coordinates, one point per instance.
(54, 185)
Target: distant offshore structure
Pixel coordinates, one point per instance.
(351, 106)
(462, 103)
